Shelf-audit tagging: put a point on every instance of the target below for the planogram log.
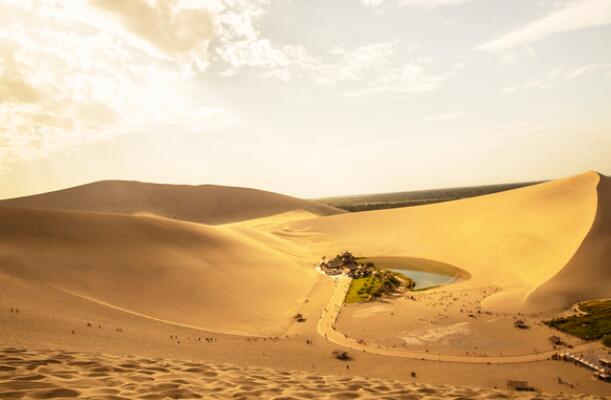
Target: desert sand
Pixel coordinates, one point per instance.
(175, 271)
(534, 242)
(59, 374)
(208, 204)
(118, 285)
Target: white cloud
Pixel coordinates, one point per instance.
(239, 44)
(559, 74)
(555, 74)
(362, 71)
(585, 69)
(374, 69)
(180, 30)
(255, 54)
(411, 77)
(575, 15)
(81, 72)
(537, 84)
(531, 84)
(354, 65)
(444, 116)
(70, 75)
(372, 3)
(413, 3)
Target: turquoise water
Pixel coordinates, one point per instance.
(425, 280)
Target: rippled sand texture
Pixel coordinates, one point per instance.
(56, 374)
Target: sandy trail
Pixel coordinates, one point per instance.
(326, 328)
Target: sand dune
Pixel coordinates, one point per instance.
(521, 240)
(38, 374)
(194, 274)
(589, 267)
(129, 284)
(546, 245)
(209, 204)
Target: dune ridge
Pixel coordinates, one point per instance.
(539, 243)
(589, 266)
(208, 204)
(182, 272)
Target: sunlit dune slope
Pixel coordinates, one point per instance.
(209, 204)
(588, 273)
(546, 245)
(209, 277)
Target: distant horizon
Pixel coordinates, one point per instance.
(324, 197)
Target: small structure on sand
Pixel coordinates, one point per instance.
(604, 372)
(519, 386)
(361, 271)
(604, 375)
(341, 355)
(342, 263)
(601, 371)
(520, 324)
(557, 341)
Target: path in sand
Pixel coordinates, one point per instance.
(326, 328)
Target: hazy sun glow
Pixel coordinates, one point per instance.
(307, 98)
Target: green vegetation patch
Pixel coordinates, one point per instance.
(374, 286)
(361, 289)
(595, 324)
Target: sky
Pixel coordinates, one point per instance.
(311, 98)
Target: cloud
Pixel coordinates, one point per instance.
(241, 47)
(259, 54)
(373, 3)
(531, 84)
(537, 84)
(559, 74)
(367, 70)
(444, 116)
(413, 3)
(353, 65)
(70, 76)
(13, 86)
(576, 15)
(180, 32)
(374, 69)
(411, 77)
(585, 69)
